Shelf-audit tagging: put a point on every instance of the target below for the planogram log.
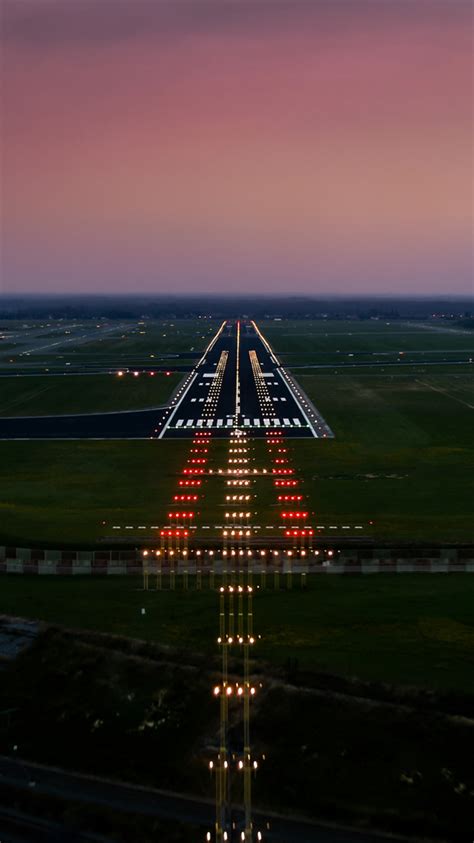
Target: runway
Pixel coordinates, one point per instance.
(238, 382)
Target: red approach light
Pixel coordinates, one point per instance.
(280, 461)
(299, 533)
(297, 514)
(290, 497)
(283, 470)
(185, 497)
(180, 514)
(285, 482)
(189, 482)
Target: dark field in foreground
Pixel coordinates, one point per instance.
(143, 713)
(406, 629)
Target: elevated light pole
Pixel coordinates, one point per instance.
(248, 691)
(223, 829)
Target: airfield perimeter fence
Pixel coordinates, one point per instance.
(337, 560)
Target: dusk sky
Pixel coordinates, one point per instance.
(300, 146)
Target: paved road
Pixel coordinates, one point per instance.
(238, 381)
(123, 797)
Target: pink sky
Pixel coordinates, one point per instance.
(321, 146)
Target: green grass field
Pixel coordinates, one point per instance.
(85, 342)
(325, 342)
(403, 455)
(62, 492)
(50, 395)
(410, 629)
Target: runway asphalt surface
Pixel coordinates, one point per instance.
(237, 382)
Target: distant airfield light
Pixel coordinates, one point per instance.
(120, 374)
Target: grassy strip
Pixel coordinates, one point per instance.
(37, 396)
(403, 456)
(311, 336)
(73, 492)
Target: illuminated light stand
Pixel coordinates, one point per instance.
(224, 829)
